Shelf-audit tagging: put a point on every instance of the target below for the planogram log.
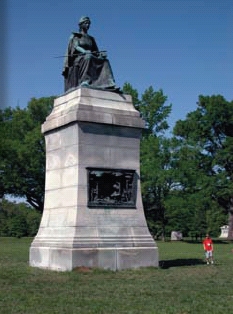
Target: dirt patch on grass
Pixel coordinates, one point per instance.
(83, 269)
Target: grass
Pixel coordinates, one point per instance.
(182, 284)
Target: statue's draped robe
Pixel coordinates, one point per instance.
(86, 69)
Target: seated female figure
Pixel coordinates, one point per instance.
(84, 65)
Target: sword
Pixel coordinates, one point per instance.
(91, 52)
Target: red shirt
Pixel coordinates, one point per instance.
(208, 244)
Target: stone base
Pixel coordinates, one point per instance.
(99, 130)
(63, 259)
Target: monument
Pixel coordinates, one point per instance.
(93, 214)
(224, 232)
(176, 236)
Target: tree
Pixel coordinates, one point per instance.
(129, 90)
(208, 132)
(154, 111)
(18, 219)
(157, 181)
(22, 151)
(155, 155)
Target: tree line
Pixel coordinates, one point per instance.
(18, 219)
(186, 178)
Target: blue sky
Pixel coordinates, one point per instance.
(184, 47)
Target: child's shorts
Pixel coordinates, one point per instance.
(208, 254)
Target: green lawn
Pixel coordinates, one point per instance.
(183, 284)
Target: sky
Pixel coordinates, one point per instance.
(184, 47)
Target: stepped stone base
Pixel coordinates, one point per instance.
(61, 259)
(90, 129)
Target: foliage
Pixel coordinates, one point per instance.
(22, 152)
(155, 155)
(184, 284)
(186, 180)
(157, 182)
(152, 109)
(205, 158)
(129, 90)
(18, 220)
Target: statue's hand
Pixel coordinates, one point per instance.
(102, 55)
(88, 54)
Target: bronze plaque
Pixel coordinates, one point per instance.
(112, 188)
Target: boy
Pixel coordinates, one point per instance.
(208, 248)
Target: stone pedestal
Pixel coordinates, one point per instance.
(91, 129)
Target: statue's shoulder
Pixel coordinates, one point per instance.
(79, 35)
(74, 34)
(93, 38)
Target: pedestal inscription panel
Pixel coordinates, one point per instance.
(111, 188)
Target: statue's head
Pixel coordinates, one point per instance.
(84, 19)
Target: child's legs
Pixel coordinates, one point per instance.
(209, 255)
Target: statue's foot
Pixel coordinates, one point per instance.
(114, 89)
(110, 88)
(84, 84)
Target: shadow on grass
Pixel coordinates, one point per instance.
(180, 262)
(200, 241)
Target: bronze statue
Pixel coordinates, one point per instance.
(84, 64)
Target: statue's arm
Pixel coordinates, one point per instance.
(79, 48)
(94, 45)
(100, 54)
